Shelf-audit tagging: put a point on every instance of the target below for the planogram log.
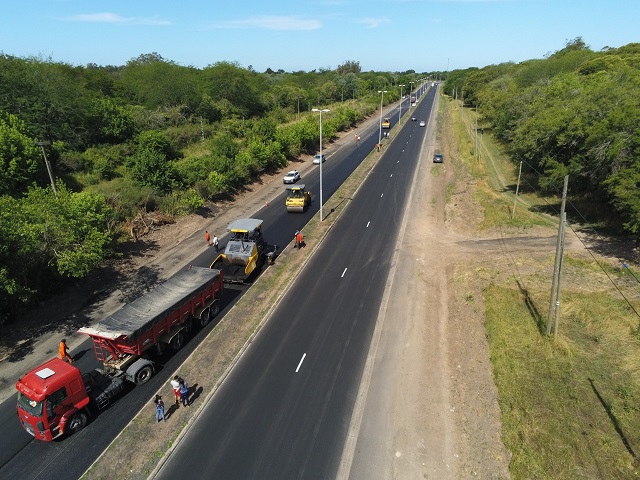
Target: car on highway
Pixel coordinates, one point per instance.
(291, 177)
(413, 119)
(316, 159)
(422, 123)
(438, 158)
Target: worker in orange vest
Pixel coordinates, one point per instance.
(64, 351)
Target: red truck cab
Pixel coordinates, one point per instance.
(51, 400)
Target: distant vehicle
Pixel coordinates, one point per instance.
(438, 158)
(316, 159)
(413, 119)
(422, 123)
(413, 100)
(386, 123)
(291, 177)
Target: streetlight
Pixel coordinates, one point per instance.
(320, 111)
(46, 162)
(400, 112)
(381, 97)
(410, 90)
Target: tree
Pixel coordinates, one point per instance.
(349, 66)
(19, 157)
(154, 170)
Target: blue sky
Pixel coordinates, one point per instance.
(389, 35)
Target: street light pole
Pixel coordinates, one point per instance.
(410, 90)
(400, 112)
(380, 133)
(320, 111)
(46, 162)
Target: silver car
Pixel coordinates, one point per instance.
(316, 159)
(291, 177)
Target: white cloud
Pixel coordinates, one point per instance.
(272, 22)
(116, 19)
(371, 22)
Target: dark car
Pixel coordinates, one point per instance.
(438, 158)
(413, 119)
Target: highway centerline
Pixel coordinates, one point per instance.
(301, 360)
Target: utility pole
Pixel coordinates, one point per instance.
(475, 138)
(554, 301)
(515, 200)
(46, 161)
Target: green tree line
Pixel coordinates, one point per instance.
(148, 135)
(576, 113)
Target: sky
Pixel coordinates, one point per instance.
(294, 35)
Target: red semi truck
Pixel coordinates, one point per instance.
(56, 398)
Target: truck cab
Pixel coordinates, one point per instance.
(386, 123)
(51, 400)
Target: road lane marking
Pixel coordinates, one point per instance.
(345, 271)
(381, 195)
(392, 175)
(368, 223)
(301, 360)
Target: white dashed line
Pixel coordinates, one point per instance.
(368, 223)
(345, 271)
(301, 360)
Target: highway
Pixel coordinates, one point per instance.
(284, 410)
(318, 396)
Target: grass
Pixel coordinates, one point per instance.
(570, 404)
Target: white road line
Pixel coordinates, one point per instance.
(381, 195)
(368, 223)
(392, 175)
(345, 271)
(301, 360)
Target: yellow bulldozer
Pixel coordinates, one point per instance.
(298, 199)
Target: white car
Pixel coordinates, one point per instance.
(422, 124)
(291, 177)
(316, 159)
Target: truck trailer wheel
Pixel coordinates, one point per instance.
(77, 422)
(177, 341)
(214, 309)
(205, 317)
(144, 375)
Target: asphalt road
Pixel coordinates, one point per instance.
(25, 458)
(284, 410)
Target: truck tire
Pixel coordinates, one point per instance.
(214, 309)
(144, 375)
(205, 317)
(177, 341)
(77, 423)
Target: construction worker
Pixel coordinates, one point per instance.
(207, 237)
(64, 351)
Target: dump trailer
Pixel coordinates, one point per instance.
(245, 251)
(298, 199)
(386, 123)
(56, 398)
